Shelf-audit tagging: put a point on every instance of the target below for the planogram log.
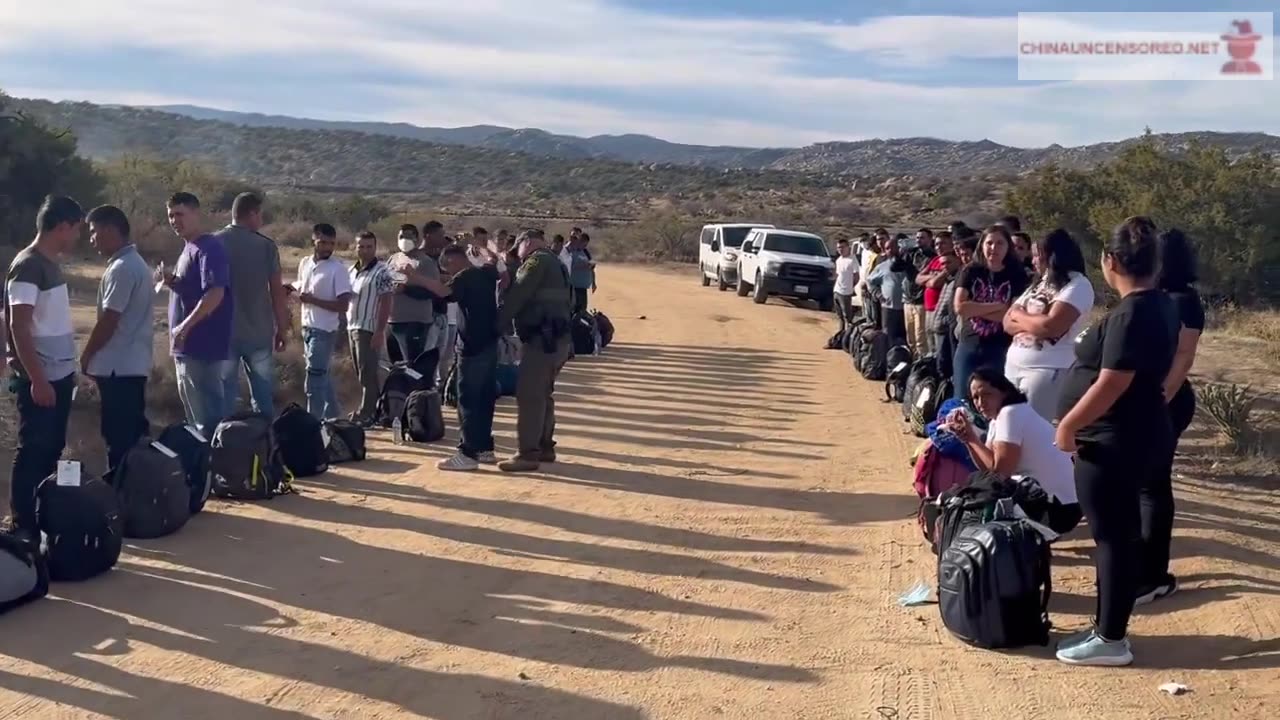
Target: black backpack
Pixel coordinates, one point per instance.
(400, 382)
(344, 441)
(994, 585)
(24, 572)
(583, 331)
(301, 441)
(875, 355)
(898, 362)
(975, 502)
(851, 335)
(926, 366)
(928, 395)
(604, 328)
(83, 527)
(423, 416)
(155, 497)
(245, 460)
(192, 448)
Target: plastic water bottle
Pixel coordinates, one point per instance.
(397, 432)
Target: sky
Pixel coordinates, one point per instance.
(759, 73)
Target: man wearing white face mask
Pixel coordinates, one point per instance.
(412, 314)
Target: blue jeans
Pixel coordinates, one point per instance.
(477, 394)
(260, 367)
(201, 389)
(317, 351)
(971, 355)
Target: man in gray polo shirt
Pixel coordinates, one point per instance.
(255, 286)
(118, 354)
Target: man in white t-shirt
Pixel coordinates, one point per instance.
(846, 283)
(324, 289)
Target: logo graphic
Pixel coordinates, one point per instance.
(1241, 47)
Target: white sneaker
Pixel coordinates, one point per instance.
(487, 458)
(458, 463)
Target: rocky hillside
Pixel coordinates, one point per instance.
(401, 157)
(352, 160)
(911, 156)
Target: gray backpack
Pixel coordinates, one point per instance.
(24, 574)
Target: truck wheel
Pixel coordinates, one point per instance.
(759, 296)
(720, 279)
(706, 281)
(827, 304)
(743, 287)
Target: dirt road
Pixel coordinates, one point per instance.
(726, 537)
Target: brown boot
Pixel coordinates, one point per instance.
(519, 464)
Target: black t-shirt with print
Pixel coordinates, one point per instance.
(985, 286)
(1139, 335)
(475, 290)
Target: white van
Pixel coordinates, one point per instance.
(718, 252)
(789, 263)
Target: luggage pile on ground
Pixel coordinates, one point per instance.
(161, 484)
(993, 558)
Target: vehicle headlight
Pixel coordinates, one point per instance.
(730, 255)
(772, 267)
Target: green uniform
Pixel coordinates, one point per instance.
(539, 302)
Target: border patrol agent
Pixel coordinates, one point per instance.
(539, 302)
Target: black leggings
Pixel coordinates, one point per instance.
(1108, 478)
(1156, 496)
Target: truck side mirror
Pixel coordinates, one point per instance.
(715, 246)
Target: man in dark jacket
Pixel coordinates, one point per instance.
(539, 303)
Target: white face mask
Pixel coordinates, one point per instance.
(407, 244)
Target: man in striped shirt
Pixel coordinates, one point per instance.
(367, 316)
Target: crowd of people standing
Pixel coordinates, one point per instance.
(229, 313)
(1093, 407)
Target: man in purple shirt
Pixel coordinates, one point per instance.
(200, 315)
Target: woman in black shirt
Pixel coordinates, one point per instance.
(1115, 419)
(1177, 273)
(984, 290)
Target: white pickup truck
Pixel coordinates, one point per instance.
(787, 263)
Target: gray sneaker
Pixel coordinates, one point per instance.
(458, 463)
(487, 458)
(1076, 638)
(1095, 651)
(1146, 596)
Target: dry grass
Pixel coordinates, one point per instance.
(1259, 325)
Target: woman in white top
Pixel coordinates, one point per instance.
(1045, 321)
(1019, 443)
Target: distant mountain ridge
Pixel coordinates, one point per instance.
(399, 157)
(913, 156)
(626, 148)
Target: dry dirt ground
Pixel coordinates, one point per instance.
(726, 536)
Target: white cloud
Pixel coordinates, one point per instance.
(752, 81)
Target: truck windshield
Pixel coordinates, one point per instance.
(796, 244)
(733, 236)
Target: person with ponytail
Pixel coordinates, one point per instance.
(1116, 421)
